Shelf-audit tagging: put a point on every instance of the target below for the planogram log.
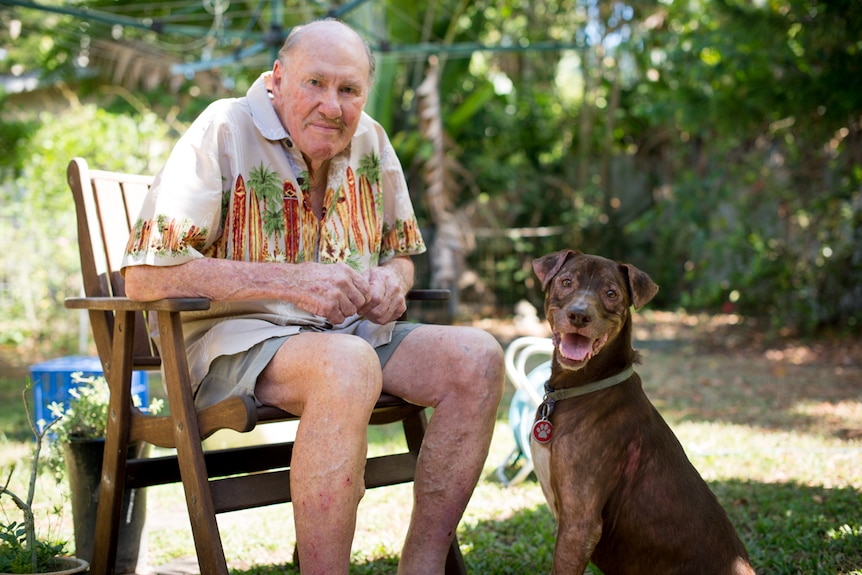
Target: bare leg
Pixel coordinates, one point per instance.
(459, 372)
(333, 382)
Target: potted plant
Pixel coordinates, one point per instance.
(21, 552)
(77, 453)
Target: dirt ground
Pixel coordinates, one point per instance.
(691, 333)
(728, 367)
(713, 335)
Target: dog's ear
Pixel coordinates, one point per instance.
(546, 267)
(641, 287)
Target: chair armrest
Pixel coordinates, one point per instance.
(125, 304)
(428, 295)
(199, 303)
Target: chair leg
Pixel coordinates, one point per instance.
(118, 375)
(455, 560)
(190, 455)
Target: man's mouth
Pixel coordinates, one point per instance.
(327, 124)
(576, 347)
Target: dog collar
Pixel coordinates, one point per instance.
(560, 394)
(543, 429)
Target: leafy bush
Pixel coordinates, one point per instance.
(16, 556)
(85, 418)
(20, 549)
(37, 216)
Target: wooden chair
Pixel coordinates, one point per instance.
(107, 204)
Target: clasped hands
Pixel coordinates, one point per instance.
(337, 291)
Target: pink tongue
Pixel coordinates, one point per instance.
(576, 347)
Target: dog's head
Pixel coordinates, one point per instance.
(587, 301)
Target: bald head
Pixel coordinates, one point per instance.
(326, 31)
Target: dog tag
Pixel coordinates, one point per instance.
(543, 430)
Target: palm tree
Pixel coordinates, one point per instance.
(369, 173)
(267, 184)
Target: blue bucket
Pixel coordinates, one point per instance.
(52, 381)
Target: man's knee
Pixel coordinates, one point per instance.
(482, 366)
(333, 368)
(352, 369)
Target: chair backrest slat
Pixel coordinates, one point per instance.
(108, 204)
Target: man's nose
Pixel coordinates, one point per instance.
(330, 104)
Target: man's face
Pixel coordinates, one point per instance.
(319, 93)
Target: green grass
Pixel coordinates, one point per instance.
(13, 418)
(778, 440)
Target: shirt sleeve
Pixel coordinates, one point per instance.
(180, 218)
(401, 234)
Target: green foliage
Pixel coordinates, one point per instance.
(87, 413)
(13, 141)
(714, 143)
(86, 416)
(20, 549)
(37, 216)
(756, 113)
(15, 555)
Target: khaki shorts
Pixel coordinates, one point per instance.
(237, 374)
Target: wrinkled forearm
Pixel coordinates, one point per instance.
(404, 269)
(216, 279)
(211, 278)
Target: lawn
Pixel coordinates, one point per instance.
(774, 425)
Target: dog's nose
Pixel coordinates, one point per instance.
(579, 316)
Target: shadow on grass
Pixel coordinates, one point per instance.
(520, 544)
(788, 528)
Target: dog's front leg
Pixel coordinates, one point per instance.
(576, 540)
(579, 505)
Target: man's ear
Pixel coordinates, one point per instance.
(275, 79)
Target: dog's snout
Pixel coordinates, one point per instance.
(579, 316)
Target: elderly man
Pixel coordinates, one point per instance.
(289, 207)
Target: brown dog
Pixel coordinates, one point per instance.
(616, 478)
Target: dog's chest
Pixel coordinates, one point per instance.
(542, 466)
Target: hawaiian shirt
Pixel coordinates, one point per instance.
(236, 187)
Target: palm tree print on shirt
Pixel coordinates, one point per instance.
(267, 218)
(165, 236)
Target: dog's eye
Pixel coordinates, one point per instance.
(566, 282)
(612, 294)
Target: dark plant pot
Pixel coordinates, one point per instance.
(84, 469)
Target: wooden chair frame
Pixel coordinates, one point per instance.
(107, 204)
